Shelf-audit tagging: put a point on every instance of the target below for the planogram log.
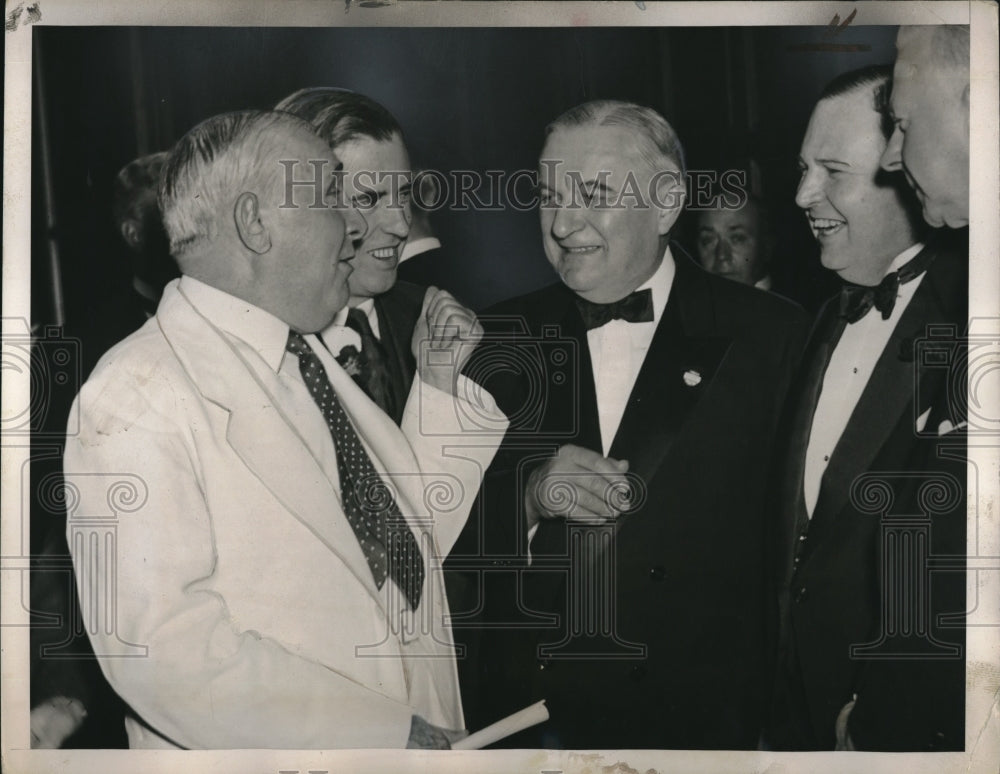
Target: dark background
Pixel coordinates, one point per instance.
(467, 99)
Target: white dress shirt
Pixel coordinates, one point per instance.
(260, 339)
(618, 349)
(846, 377)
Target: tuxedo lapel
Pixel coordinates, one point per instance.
(678, 370)
(886, 405)
(574, 404)
(397, 351)
(258, 431)
(802, 408)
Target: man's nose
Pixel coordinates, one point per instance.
(892, 156)
(357, 226)
(565, 221)
(808, 192)
(723, 252)
(396, 221)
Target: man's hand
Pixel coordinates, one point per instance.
(425, 736)
(54, 721)
(451, 332)
(577, 484)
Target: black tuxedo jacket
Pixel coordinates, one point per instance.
(398, 310)
(426, 268)
(648, 634)
(860, 611)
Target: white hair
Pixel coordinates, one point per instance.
(212, 164)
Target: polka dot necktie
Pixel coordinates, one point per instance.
(385, 538)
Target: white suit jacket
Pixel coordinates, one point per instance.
(225, 593)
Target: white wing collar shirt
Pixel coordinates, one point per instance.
(851, 366)
(618, 349)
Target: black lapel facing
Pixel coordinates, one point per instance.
(396, 334)
(571, 404)
(678, 371)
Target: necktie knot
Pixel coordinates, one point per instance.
(296, 344)
(857, 300)
(637, 306)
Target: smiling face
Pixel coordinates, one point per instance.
(730, 243)
(930, 141)
(377, 183)
(857, 213)
(603, 248)
(302, 279)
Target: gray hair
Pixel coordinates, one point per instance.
(658, 142)
(211, 164)
(949, 44)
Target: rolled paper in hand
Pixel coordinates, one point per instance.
(511, 724)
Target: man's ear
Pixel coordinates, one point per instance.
(252, 231)
(131, 234)
(671, 194)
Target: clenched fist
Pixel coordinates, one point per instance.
(445, 335)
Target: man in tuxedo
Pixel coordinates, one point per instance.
(371, 335)
(254, 550)
(930, 112)
(871, 479)
(616, 566)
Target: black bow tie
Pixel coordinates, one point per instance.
(635, 307)
(857, 300)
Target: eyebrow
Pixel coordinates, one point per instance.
(833, 161)
(595, 183)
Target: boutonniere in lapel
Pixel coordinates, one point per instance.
(350, 360)
(692, 378)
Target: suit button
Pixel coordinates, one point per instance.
(637, 672)
(802, 537)
(800, 595)
(657, 573)
(544, 664)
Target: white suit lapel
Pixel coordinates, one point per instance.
(388, 447)
(259, 433)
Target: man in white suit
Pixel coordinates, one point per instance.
(239, 595)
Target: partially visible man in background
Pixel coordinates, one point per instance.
(736, 243)
(930, 114)
(371, 336)
(137, 217)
